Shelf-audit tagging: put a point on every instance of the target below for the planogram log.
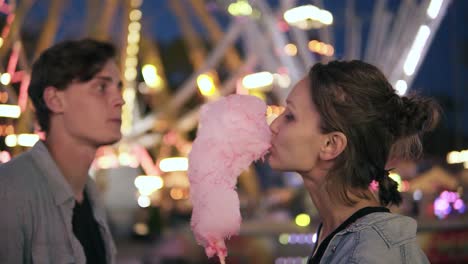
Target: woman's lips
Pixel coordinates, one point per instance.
(271, 149)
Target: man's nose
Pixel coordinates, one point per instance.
(118, 101)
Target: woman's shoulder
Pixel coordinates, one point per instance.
(393, 229)
(387, 237)
(378, 237)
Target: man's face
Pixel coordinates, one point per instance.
(92, 110)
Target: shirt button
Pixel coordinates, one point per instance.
(334, 249)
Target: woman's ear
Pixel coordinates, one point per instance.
(334, 144)
(53, 98)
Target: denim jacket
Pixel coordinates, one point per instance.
(376, 238)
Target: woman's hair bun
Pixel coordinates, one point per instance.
(414, 115)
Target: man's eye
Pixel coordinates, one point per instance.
(101, 87)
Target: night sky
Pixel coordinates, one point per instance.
(443, 74)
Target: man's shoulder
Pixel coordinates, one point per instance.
(17, 164)
(18, 171)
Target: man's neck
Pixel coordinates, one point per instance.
(73, 159)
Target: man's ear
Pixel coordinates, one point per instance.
(53, 98)
(334, 144)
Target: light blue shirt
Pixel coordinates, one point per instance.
(36, 205)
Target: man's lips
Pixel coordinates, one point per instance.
(116, 120)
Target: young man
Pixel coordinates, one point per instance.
(50, 212)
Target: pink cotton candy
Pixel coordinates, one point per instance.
(233, 133)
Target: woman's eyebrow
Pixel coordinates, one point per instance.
(290, 104)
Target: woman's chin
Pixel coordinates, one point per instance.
(278, 166)
(273, 162)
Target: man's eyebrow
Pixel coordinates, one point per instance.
(104, 78)
(109, 79)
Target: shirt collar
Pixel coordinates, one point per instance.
(61, 189)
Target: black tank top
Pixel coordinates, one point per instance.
(86, 230)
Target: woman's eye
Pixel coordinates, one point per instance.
(289, 117)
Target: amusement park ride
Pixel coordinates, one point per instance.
(265, 49)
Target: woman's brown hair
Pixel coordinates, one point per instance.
(355, 98)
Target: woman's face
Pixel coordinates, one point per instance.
(296, 139)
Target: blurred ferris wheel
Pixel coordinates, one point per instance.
(279, 44)
(264, 50)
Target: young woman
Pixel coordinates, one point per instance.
(342, 125)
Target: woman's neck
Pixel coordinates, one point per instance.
(332, 211)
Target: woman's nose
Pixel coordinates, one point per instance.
(274, 126)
